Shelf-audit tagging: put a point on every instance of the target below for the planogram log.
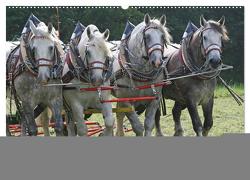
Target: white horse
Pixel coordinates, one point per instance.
(140, 63)
(40, 55)
(91, 66)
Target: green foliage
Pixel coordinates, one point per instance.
(115, 19)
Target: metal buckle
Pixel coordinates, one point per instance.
(99, 91)
(153, 89)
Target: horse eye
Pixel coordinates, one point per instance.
(204, 37)
(163, 38)
(87, 53)
(51, 48)
(147, 37)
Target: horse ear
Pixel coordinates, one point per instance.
(163, 20)
(222, 20)
(106, 34)
(50, 27)
(203, 21)
(32, 27)
(147, 19)
(89, 33)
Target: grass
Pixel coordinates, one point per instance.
(228, 115)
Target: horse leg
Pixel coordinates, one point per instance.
(30, 121)
(157, 123)
(119, 124)
(208, 115)
(77, 114)
(150, 117)
(193, 112)
(56, 109)
(44, 117)
(70, 124)
(108, 119)
(176, 111)
(133, 119)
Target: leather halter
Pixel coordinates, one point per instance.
(83, 72)
(154, 47)
(96, 64)
(212, 46)
(49, 62)
(185, 56)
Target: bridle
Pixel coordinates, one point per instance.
(154, 47)
(96, 64)
(85, 66)
(43, 61)
(212, 46)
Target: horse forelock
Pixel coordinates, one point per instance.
(138, 30)
(220, 28)
(97, 39)
(42, 30)
(164, 29)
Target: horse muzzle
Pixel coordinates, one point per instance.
(43, 78)
(157, 62)
(215, 62)
(96, 81)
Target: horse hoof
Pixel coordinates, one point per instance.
(159, 134)
(120, 134)
(179, 133)
(205, 133)
(33, 133)
(139, 133)
(59, 133)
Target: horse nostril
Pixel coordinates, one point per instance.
(93, 79)
(215, 62)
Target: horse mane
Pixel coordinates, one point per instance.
(220, 28)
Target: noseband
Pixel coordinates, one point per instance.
(96, 64)
(154, 47)
(43, 61)
(212, 46)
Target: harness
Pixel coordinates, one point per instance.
(22, 59)
(127, 68)
(81, 68)
(186, 56)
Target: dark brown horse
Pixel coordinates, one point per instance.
(198, 52)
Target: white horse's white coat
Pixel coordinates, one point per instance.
(77, 100)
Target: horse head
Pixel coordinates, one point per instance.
(155, 37)
(43, 45)
(212, 35)
(95, 53)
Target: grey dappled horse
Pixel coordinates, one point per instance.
(138, 63)
(30, 75)
(201, 51)
(94, 63)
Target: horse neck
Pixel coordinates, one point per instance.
(82, 46)
(137, 49)
(195, 49)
